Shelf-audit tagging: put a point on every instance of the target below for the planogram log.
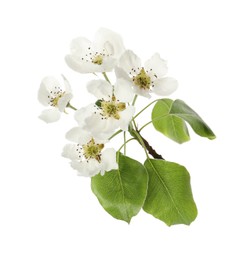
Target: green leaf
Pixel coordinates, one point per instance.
(122, 192)
(182, 110)
(170, 125)
(169, 196)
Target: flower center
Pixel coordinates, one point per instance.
(54, 96)
(91, 150)
(142, 80)
(94, 56)
(97, 59)
(56, 99)
(112, 108)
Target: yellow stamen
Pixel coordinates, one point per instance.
(142, 80)
(93, 150)
(98, 60)
(112, 108)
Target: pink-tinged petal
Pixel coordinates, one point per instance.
(50, 115)
(123, 90)
(100, 89)
(70, 151)
(78, 135)
(63, 101)
(156, 66)
(108, 160)
(130, 62)
(126, 117)
(110, 41)
(165, 86)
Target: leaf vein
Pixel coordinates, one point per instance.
(123, 192)
(168, 192)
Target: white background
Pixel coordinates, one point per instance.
(46, 211)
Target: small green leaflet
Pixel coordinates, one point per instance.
(169, 197)
(122, 192)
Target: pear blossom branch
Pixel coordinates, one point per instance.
(144, 143)
(150, 149)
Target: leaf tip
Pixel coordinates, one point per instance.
(212, 137)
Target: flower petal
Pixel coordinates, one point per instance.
(83, 113)
(108, 64)
(156, 66)
(70, 151)
(63, 101)
(111, 41)
(82, 66)
(129, 62)
(80, 47)
(101, 128)
(86, 169)
(47, 84)
(123, 90)
(141, 92)
(126, 117)
(120, 73)
(165, 86)
(79, 59)
(50, 115)
(100, 88)
(66, 84)
(108, 160)
(78, 135)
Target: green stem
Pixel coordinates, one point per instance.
(70, 106)
(124, 142)
(106, 78)
(144, 143)
(134, 100)
(134, 124)
(127, 141)
(140, 140)
(145, 108)
(116, 133)
(148, 123)
(155, 119)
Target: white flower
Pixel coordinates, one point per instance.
(148, 78)
(87, 154)
(98, 56)
(52, 93)
(110, 111)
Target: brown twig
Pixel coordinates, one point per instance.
(150, 149)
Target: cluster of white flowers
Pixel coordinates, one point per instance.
(114, 108)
